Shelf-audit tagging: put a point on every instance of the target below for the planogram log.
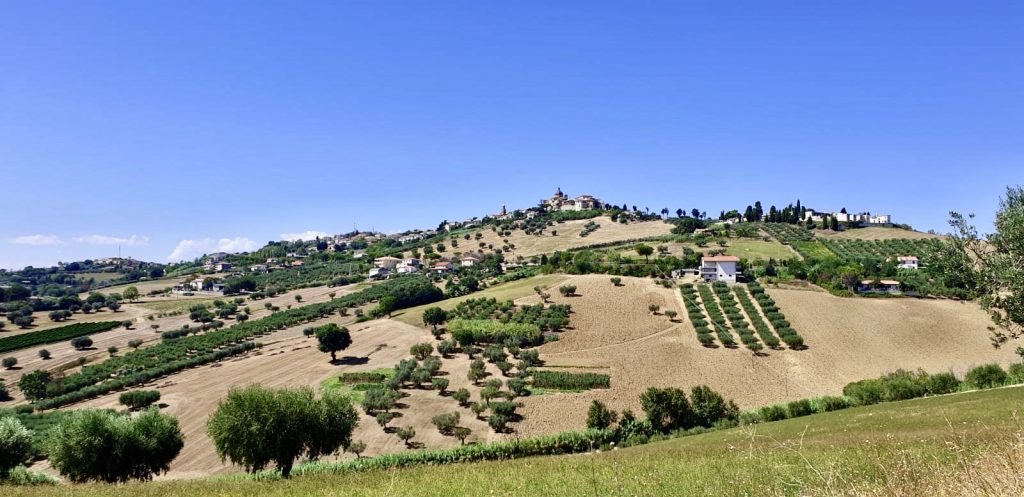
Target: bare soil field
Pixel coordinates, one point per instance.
(874, 233)
(849, 340)
(568, 236)
(742, 247)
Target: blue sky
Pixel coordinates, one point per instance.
(176, 128)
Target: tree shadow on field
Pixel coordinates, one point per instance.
(350, 361)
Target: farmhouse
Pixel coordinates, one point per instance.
(469, 261)
(258, 268)
(907, 262)
(442, 267)
(883, 286)
(719, 268)
(379, 273)
(387, 262)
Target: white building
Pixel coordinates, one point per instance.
(561, 202)
(378, 273)
(719, 268)
(387, 262)
(907, 262)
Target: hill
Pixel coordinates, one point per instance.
(960, 444)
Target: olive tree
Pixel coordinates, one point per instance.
(15, 444)
(333, 338)
(434, 317)
(90, 445)
(256, 426)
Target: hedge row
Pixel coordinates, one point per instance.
(771, 311)
(58, 334)
(759, 323)
(562, 380)
(736, 319)
(563, 443)
(696, 315)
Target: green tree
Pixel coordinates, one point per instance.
(15, 444)
(9, 362)
(406, 434)
(989, 267)
(434, 317)
(462, 396)
(33, 385)
(44, 354)
(386, 305)
(103, 446)
(332, 338)
(667, 409)
(709, 406)
(421, 350)
(131, 294)
(644, 250)
(599, 416)
(256, 426)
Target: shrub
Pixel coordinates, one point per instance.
(942, 383)
(1016, 372)
(799, 408)
(44, 354)
(137, 399)
(129, 448)
(81, 343)
(709, 406)
(986, 376)
(616, 281)
(15, 444)
(446, 347)
(498, 422)
(462, 396)
(53, 335)
(406, 434)
(255, 426)
(865, 392)
(439, 384)
(599, 416)
(772, 413)
(9, 362)
(361, 377)
(829, 404)
(470, 331)
(517, 386)
(421, 350)
(446, 423)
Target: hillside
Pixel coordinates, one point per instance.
(960, 444)
(874, 233)
(568, 236)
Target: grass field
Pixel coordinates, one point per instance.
(962, 444)
(813, 249)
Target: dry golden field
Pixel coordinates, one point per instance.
(568, 236)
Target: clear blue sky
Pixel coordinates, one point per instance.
(184, 123)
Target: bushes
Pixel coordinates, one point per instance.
(799, 408)
(100, 446)
(570, 381)
(137, 399)
(55, 335)
(986, 376)
(829, 404)
(81, 343)
(256, 426)
(15, 444)
(361, 377)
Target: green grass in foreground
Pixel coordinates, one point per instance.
(899, 448)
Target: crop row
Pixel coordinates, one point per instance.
(142, 365)
(696, 316)
(58, 334)
(470, 331)
(787, 233)
(736, 319)
(763, 330)
(715, 314)
(771, 311)
(880, 249)
(570, 381)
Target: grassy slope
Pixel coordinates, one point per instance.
(900, 448)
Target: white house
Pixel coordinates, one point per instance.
(719, 268)
(378, 273)
(387, 262)
(414, 262)
(907, 262)
(258, 268)
(442, 266)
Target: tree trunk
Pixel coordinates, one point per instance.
(333, 356)
(286, 469)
